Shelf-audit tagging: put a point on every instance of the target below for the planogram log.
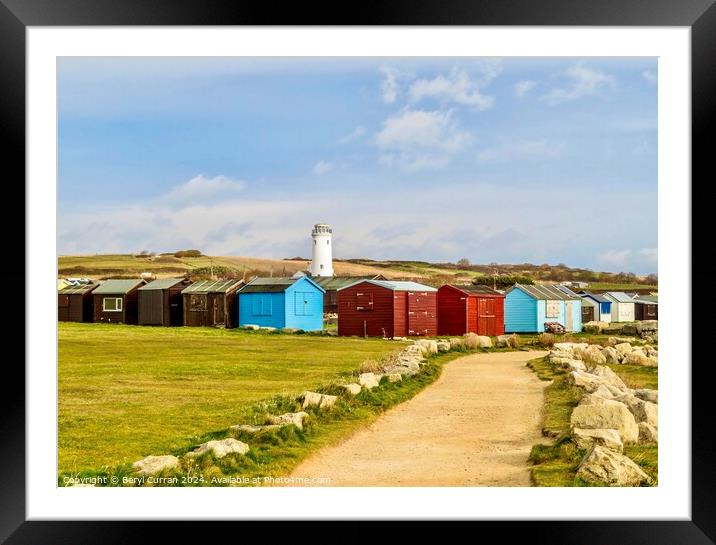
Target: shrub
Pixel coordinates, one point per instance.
(513, 341)
(188, 253)
(471, 341)
(546, 339)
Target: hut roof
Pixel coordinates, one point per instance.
(79, 288)
(162, 284)
(395, 285)
(648, 299)
(212, 286)
(274, 284)
(338, 282)
(596, 297)
(619, 296)
(118, 286)
(476, 289)
(543, 292)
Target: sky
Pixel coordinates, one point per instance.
(512, 160)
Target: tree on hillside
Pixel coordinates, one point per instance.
(464, 262)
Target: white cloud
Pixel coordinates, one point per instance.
(523, 88)
(641, 259)
(322, 167)
(356, 134)
(411, 129)
(389, 87)
(524, 149)
(419, 139)
(582, 81)
(650, 77)
(202, 189)
(458, 87)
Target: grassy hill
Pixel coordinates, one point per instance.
(126, 265)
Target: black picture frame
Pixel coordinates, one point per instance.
(699, 15)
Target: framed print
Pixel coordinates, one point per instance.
(402, 266)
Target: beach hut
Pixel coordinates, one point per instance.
(529, 307)
(602, 306)
(331, 284)
(590, 308)
(211, 303)
(622, 306)
(161, 302)
(476, 309)
(75, 303)
(646, 307)
(115, 301)
(387, 308)
(282, 302)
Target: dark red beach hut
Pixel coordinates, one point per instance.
(387, 308)
(476, 309)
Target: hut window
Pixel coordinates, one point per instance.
(112, 304)
(198, 303)
(552, 309)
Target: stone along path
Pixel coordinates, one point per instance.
(474, 426)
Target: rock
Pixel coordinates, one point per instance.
(429, 347)
(290, 330)
(289, 418)
(648, 326)
(593, 355)
(455, 343)
(631, 328)
(395, 377)
(444, 346)
(570, 347)
(648, 433)
(485, 341)
(594, 327)
(253, 327)
(352, 388)
(611, 355)
(267, 328)
(609, 377)
(612, 329)
(604, 392)
(403, 369)
(607, 438)
(603, 465)
(651, 352)
(598, 413)
(368, 381)
(622, 350)
(584, 380)
(155, 464)
(248, 428)
(507, 341)
(643, 411)
(400, 338)
(311, 399)
(636, 358)
(647, 395)
(221, 447)
(327, 401)
(651, 362)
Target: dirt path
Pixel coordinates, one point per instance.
(473, 427)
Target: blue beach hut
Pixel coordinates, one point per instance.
(529, 307)
(282, 302)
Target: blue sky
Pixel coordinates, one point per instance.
(497, 160)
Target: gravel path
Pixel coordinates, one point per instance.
(473, 427)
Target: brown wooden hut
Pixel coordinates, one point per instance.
(75, 303)
(211, 303)
(473, 308)
(115, 301)
(646, 308)
(161, 302)
(333, 283)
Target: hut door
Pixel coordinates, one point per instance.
(418, 305)
(569, 326)
(486, 317)
(587, 314)
(218, 306)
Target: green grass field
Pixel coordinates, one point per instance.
(128, 391)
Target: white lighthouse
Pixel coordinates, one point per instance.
(322, 261)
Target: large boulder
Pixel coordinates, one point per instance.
(611, 355)
(507, 341)
(352, 388)
(221, 447)
(608, 438)
(251, 429)
(368, 381)
(430, 347)
(643, 411)
(310, 399)
(622, 350)
(444, 346)
(647, 394)
(637, 358)
(327, 401)
(603, 391)
(631, 328)
(252, 327)
(598, 413)
(295, 419)
(648, 326)
(606, 466)
(648, 433)
(584, 380)
(594, 327)
(395, 377)
(456, 343)
(592, 355)
(609, 377)
(155, 464)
